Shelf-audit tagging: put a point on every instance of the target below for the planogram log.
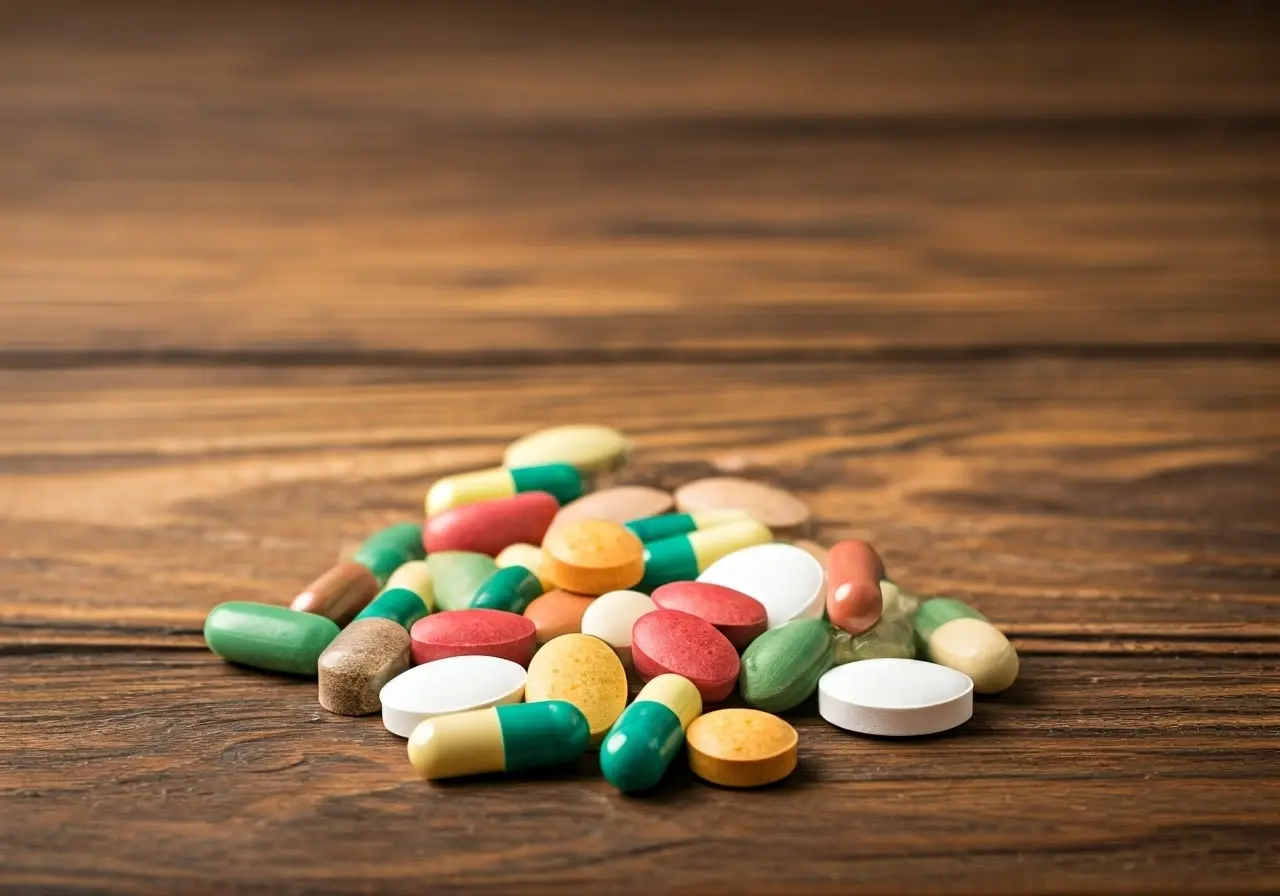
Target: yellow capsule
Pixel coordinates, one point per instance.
(709, 545)
(527, 555)
(509, 738)
(468, 488)
(416, 577)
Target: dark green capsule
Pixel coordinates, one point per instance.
(268, 637)
(668, 560)
(546, 732)
(640, 746)
(563, 481)
(511, 588)
(397, 604)
(387, 549)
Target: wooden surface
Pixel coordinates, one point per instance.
(993, 287)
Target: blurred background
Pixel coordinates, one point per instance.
(403, 182)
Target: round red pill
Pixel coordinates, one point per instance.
(671, 641)
(739, 617)
(854, 571)
(486, 527)
(473, 633)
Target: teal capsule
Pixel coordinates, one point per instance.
(268, 637)
(683, 557)
(511, 588)
(386, 550)
(397, 604)
(514, 737)
(639, 747)
(669, 525)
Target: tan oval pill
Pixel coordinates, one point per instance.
(355, 666)
(741, 747)
(557, 613)
(772, 506)
(584, 671)
(620, 504)
(589, 447)
(592, 557)
(339, 594)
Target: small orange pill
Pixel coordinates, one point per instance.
(557, 613)
(741, 747)
(592, 557)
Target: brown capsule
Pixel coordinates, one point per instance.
(557, 613)
(854, 571)
(339, 594)
(352, 670)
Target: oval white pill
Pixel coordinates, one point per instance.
(610, 617)
(786, 579)
(453, 684)
(895, 697)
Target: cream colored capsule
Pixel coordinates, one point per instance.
(954, 634)
(527, 555)
(415, 576)
(510, 738)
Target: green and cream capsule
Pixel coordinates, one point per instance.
(510, 738)
(386, 550)
(669, 525)
(647, 736)
(684, 557)
(511, 588)
(953, 634)
(563, 481)
(400, 605)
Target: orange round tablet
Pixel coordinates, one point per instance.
(557, 613)
(592, 557)
(741, 747)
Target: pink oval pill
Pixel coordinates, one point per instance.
(739, 617)
(473, 633)
(854, 571)
(671, 641)
(487, 527)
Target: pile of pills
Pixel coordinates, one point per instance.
(500, 634)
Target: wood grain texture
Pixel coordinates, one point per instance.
(234, 182)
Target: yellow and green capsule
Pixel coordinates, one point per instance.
(509, 738)
(562, 480)
(684, 557)
(952, 633)
(649, 733)
(511, 588)
(669, 525)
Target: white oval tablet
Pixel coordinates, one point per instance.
(895, 697)
(610, 617)
(453, 684)
(786, 579)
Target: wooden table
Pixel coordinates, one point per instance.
(993, 287)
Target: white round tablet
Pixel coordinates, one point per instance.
(453, 684)
(610, 617)
(786, 579)
(895, 697)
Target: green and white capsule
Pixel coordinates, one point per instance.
(647, 736)
(953, 634)
(669, 525)
(511, 588)
(509, 738)
(563, 481)
(683, 557)
(386, 550)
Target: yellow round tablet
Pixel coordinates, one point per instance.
(592, 557)
(741, 747)
(584, 671)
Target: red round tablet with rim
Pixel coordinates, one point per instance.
(473, 633)
(739, 617)
(671, 641)
(487, 527)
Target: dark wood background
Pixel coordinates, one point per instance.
(994, 286)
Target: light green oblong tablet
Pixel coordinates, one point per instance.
(457, 575)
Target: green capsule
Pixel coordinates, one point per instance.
(387, 549)
(397, 604)
(456, 575)
(513, 737)
(669, 525)
(511, 588)
(639, 747)
(268, 637)
(563, 481)
(781, 668)
(682, 557)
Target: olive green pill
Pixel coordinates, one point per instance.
(457, 575)
(781, 668)
(400, 605)
(268, 637)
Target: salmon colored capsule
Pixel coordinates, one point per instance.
(339, 594)
(487, 527)
(854, 571)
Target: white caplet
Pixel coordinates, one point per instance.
(786, 579)
(453, 684)
(895, 697)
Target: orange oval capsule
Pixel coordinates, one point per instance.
(339, 594)
(854, 571)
